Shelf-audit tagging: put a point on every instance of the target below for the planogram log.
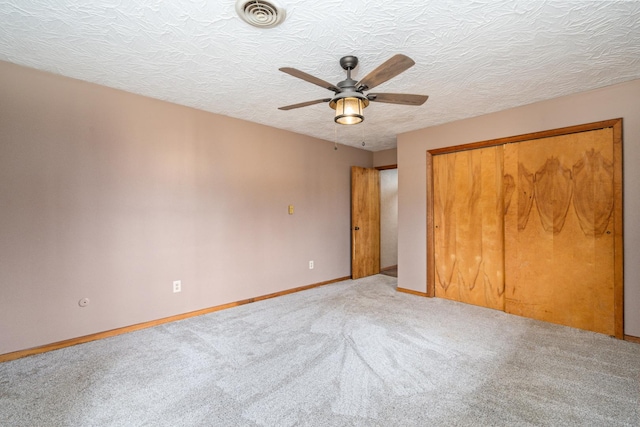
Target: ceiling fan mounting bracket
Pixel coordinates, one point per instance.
(348, 62)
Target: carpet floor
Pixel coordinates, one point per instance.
(354, 353)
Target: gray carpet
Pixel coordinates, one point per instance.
(355, 353)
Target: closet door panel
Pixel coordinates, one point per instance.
(468, 226)
(559, 230)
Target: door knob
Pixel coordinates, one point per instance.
(357, 228)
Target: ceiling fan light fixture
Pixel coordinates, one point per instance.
(349, 108)
(349, 111)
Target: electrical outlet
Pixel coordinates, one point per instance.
(177, 286)
(310, 265)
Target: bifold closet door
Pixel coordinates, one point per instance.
(559, 229)
(468, 214)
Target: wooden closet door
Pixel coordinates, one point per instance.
(559, 229)
(468, 216)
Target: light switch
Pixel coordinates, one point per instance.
(290, 209)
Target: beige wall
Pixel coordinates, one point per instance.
(621, 100)
(112, 196)
(385, 158)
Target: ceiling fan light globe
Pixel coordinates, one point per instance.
(349, 111)
(349, 120)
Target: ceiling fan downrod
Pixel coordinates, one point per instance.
(348, 63)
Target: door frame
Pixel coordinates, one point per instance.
(616, 124)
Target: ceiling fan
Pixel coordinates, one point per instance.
(349, 100)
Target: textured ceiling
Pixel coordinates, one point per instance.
(472, 57)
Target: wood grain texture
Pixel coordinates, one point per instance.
(365, 222)
(412, 292)
(468, 231)
(631, 338)
(618, 260)
(431, 266)
(553, 188)
(106, 334)
(385, 71)
(526, 192)
(555, 271)
(531, 136)
(386, 167)
(593, 192)
(519, 201)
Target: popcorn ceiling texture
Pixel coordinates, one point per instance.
(472, 57)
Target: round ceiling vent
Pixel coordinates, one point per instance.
(260, 13)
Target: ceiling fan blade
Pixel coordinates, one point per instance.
(387, 70)
(398, 98)
(309, 78)
(304, 104)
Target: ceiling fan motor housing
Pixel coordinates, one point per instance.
(349, 94)
(348, 86)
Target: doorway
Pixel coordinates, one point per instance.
(389, 221)
(374, 221)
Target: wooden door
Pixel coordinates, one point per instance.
(559, 229)
(562, 225)
(365, 222)
(468, 226)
